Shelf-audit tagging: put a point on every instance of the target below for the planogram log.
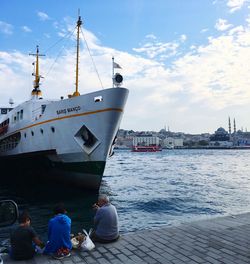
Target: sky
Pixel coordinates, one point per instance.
(186, 63)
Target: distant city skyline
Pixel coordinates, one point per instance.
(186, 63)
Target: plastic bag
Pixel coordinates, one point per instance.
(77, 240)
(87, 244)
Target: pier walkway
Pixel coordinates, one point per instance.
(217, 240)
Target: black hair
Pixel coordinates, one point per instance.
(59, 209)
(23, 217)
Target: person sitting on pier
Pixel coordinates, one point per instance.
(23, 238)
(105, 221)
(59, 243)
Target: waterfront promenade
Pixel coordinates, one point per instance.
(216, 240)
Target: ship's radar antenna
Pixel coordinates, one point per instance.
(36, 92)
(117, 77)
(11, 102)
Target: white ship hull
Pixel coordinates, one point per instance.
(67, 140)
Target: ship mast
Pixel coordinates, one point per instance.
(36, 92)
(79, 23)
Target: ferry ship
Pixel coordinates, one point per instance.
(66, 140)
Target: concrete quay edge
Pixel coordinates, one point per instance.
(215, 240)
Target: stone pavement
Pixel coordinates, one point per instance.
(216, 240)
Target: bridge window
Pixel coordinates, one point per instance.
(21, 114)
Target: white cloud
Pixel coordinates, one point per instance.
(204, 30)
(26, 29)
(6, 28)
(235, 5)
(154, 49)
(151, 36)
(222, 25)
(183, 38)
(43, 16)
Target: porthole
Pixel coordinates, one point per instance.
(41, 130)
(25, 135)
(32, 133)
(53, 129)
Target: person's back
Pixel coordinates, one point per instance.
(59, 233)
(22, 239)
(107, 222)
(21, 243)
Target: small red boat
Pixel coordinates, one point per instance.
(153, 148)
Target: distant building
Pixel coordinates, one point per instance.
(170, 142)
(146, 140)
(221, 138)
(220, 135)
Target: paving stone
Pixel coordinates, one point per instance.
(196, 258)
(96, 254)
(122, 257)
(102, 250)
(76, 259)
(212, 260)
(108, 255)
(114, 251)
(149, 260)
(103, 261)
(168, 256)
(68, 261)
(53, 261)
(140, 253)
(116, 261)
(131, 247)
(178, 261)
(136, 258)
(84, 254)
(90, 260)
(126, 252)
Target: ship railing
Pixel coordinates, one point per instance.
(8, 145)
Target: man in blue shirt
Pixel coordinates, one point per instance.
(105, 221)
(59, 244)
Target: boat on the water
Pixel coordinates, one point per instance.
(152, 148)
(66, 140)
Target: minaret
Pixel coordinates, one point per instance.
(234, 126)
(229, 126)
(234, 134)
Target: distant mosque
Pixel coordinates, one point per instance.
(225, 138)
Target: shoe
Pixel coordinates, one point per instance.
(58, 256)
(62, 253)
(67, 255)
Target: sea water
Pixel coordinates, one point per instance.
(149, 190)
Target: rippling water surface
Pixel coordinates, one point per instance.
(149, 190)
